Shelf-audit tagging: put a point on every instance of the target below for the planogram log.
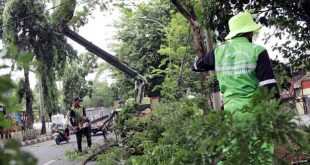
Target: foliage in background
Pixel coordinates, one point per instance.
(7, 97)
(289, 21)
(2, 4)
(74, 80)
(140, 34)
(178, 53)
(102, 96)
(10, 152)
(35, 40)
(178, 133)
(282, 74)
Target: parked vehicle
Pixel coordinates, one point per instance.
(146, 103)
(95, 113)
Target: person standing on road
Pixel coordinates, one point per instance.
(241, 67)
(80, 122)
(120, 107)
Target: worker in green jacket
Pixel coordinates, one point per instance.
(241, 67)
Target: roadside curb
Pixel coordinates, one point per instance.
(40, 140)
(35, 141)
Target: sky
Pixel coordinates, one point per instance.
(273, 54)
(99, 31)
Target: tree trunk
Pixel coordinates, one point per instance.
(199, 44)
(43, 129)
(29, 99)
(179, 92)
(42, 105)
(198, 40)
(216, 96)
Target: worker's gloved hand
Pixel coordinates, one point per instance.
(196, 58)
(86, 124)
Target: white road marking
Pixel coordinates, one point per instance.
(50, 162)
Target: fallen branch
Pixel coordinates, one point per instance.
(102, 149)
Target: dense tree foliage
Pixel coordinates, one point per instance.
(289, 20)
(141, 35)
(178, 52)
(102, 96)
(34, 39)
(179, 133)
(74, 80)
(10, 151)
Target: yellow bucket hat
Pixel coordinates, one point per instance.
(241, 23)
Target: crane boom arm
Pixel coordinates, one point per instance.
(140, 81)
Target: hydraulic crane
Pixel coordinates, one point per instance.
(140, 81)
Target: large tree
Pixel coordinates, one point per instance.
(193, 12)
(178, 51)
(29, 28)
(102, 96)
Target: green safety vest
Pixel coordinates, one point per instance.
(119, 109)
(78, 114)
(235, 64)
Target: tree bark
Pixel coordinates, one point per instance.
(42, 105)
(29, 99)
(216, 96)
(199, 44)
(180, 81)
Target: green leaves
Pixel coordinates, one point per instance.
(24, 60)
(101, 96)
(64, 13)
(174, 133)
(12, 153)
(287, 22)
(6, 98)
(6, 83)
(11, 51)
(141, 33)
(75, 83)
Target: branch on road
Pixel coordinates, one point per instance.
(102, 149)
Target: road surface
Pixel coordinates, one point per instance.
(48, 153)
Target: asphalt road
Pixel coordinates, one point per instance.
(49, 153)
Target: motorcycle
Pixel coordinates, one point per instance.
(61, 135)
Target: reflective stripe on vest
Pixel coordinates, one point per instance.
(235, 64)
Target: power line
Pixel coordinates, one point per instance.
(35, 14)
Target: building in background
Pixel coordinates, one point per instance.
(302, 94)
